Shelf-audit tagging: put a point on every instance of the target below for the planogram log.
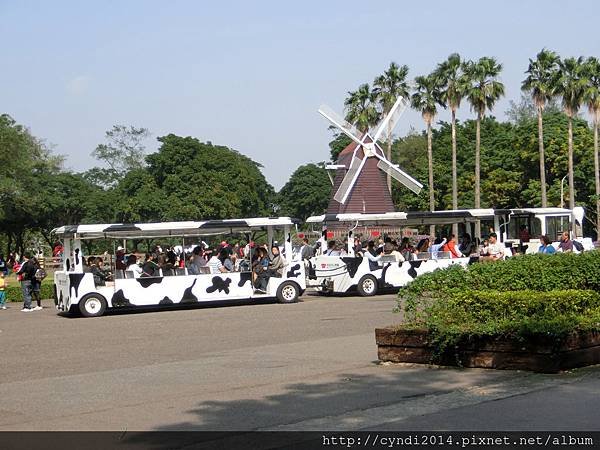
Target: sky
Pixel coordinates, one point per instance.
(251, 75)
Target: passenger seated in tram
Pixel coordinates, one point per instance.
(390, 249)
(132, 266)
(546, 246)
(332, 249)
(422, 249)
(371, 248)
(406, 249)
(452, 247)
(260, 269)
(277, 264)
(150, 267)
(215, 263)
(436, 248)
(467, 246)
(99, 276)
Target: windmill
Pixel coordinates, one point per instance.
(365, 148)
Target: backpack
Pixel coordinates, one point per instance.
(40, 274)
(578, 246)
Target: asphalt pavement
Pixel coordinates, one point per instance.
(305, 366)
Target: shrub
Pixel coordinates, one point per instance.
(14, 293)
(461, 315)
(528, 272)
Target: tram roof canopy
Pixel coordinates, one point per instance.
(432, 217)
(166, 229)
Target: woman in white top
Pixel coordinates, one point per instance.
(132, 266)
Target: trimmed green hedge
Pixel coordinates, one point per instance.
(461, 316)
(534, 272)
(550, 295)
(14, 293)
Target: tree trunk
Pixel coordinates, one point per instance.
(430, 167)
(542, 158)
(597, 175)
(389, 155)
(9, 240)
(454, 174)
(477, 174)
(570, 168)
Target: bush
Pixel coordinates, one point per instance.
(551, 295)
(534, 272)
(14, 293)
(459, 315)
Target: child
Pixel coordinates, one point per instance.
(3, 284)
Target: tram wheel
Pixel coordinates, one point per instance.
(288, 292)
(92, 305)
(367, 286)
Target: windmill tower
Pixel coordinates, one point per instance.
(360, 183)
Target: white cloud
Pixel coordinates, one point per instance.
(78, 85)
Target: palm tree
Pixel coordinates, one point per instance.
(571, 86)
(361, 107)
(425, 99)
(592, 99)
(453, 87)
(483, 92)
(540, 83)
(388, 87)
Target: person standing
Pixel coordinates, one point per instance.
(3, 284)
(26, 273)
(36, 285)
(3, 265)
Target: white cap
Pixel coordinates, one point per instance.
(119, 248)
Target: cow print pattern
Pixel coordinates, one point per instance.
(75, 281)
(414, 265)
(119, 300)
(352, 265)
(76, 256)
(294, 271)
(220, 284)
(244, 278)
(148, 281)
(382, 282)
(188, 295)
(166, 301)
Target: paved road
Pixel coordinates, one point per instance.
(310, 365)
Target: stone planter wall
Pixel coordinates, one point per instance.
(539, 354)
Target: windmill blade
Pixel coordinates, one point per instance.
(391, 118)
(349, 180)
(347, 128)
(399, 175)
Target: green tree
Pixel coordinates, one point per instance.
(361, 107)
(540, 83)
(340, 142)
(454, 86)
(592, 99)
(483, 92)
(570, 86)
(24, 160)
(192, 180)
(388, 87)
(425, 99)
(123, 151)
(306, 193)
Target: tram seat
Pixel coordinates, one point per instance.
(119, 275)
(204, 269)
(129, 274)
(180, 271)
(422, 256)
